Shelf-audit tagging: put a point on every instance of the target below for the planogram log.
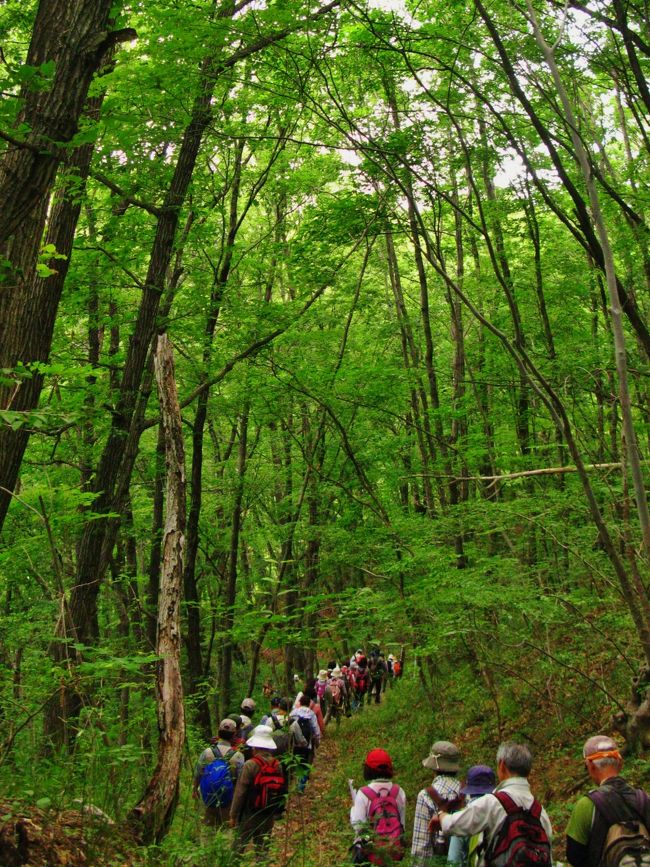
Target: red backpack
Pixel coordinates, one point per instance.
(521, 841)
(387, 844)
(269, 789)
(361, 680)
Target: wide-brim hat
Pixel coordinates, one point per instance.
(261, 739)
(336, 672)
(443, 756)
(228, 725)
(248, 704)
(322, 675)
(480, 780)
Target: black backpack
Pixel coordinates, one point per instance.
(307, 733)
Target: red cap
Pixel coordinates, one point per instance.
(379, 760)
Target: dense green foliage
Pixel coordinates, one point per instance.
(395, 363)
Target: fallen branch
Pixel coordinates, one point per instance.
(542, 471)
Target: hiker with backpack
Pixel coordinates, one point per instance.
(378, 813)
(306, 743)
(516, 826)
(480, 780)
(271, 718)
(609, 825)
(247, 709)
(347, 690)
(310, 692)
(361, 681)
(323, 693)
(260, 794)
(442, 794)
(377, 673)
(338, 688)
(216, 773)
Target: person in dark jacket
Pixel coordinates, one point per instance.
(254, 824)
(613, 801)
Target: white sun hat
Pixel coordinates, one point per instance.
(261, 739)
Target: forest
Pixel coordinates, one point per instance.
(322, 324)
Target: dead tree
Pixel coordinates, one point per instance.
(152, 816)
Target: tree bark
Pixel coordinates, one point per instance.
(153, 814)
(74, 36)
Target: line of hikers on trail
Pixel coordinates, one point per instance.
(243, 777)
(494, 820)
(491, 819)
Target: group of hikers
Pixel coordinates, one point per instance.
(493, 819)
(243, 776)
(489, 818)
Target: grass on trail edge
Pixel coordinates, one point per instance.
(318, 826)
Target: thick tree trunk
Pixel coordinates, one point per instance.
(74, 36)
(153, 814)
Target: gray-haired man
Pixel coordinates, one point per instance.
(488, 814)
(612, 802)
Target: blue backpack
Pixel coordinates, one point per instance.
(216, 783)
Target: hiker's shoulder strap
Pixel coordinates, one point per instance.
(506, 802)
(510, 806)
(435, 796)
(370, 793)
(259, 761)
(614, 806)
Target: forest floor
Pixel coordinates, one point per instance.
(69, 838)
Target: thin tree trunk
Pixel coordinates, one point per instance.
(153, 814)
(230, 595)
(616, 312)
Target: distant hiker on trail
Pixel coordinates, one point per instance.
(442, 794)
(338, 690)
(247, 713)
(378, 813)
(305, 748)
(347, 679)
(260, 794)
(310, 691)
(480, 780)
(377, 673)
(216, 773)
(361, 681)
(238, 740)
(511, 818)
(323, 693)
(610, 824)
(271, 717)
(356, 656)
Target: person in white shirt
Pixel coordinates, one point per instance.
(378, 772)
(487, 814)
